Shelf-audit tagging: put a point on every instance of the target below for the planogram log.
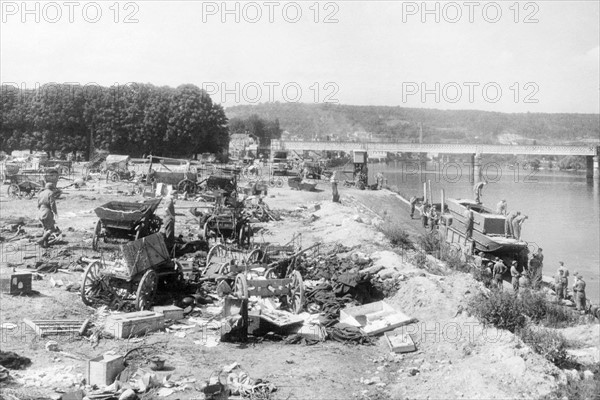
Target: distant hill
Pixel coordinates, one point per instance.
(344, 122)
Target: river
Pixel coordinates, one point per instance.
(563, 207)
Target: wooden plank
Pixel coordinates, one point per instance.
(143, 254)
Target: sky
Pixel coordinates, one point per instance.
(504, 56)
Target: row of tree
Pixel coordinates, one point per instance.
(134, 119)
(263, 129)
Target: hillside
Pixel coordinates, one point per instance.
(347, 122)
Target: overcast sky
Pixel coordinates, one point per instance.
(538, 56)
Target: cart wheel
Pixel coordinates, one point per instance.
(244, 235)
(13, 191)
(154, 224)
(114, 177)
(188, 186)
(91, 284)
(279, 183)
(241, 286)
(139, 189)
(225, 268)
(296, 296)
(218, 250)
(271, 273)
(256, 256)
(146, 290)
(96, 237)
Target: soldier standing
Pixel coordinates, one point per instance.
(515, 274)
(499, 269)
(579, 290)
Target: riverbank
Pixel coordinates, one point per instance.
(457, 356)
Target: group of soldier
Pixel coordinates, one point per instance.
(513, 221)
(561, 284)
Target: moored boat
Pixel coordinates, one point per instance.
(488, 227)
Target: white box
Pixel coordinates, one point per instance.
(400, 342)
(374, 318)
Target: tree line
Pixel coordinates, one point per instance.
(134, 119)
(263, 129)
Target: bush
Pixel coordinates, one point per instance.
(430, 243)
(420, 260)
(500, 309)
(576, 390)
(534, 305)
(398, 237)
(540, 310)
(552, 345)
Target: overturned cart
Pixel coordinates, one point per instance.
(123, 220)
(134, 279)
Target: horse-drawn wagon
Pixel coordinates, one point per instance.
(119, 219)
(134, 279)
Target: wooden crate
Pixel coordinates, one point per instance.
(56, 326)
(133, 324)
(400, 342)
(374, 318)
(143, 254)
(103, 370)
(173, 313)
(15, 283)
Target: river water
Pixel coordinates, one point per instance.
(563, 207)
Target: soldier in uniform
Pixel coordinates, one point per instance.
(579, 290)
(46, 212)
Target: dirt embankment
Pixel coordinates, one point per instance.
(457, 357)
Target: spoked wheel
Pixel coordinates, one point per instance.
(241, 286)
(146, 290)
(13, 191)
(139, 189)
(225, 268)
(97, 233)
(92, 285)
(296, 297)
(154, 224)
(256, 256)
(29, 193)
(187, 186)
(114, 177)
(244, 235)
(218, 250)
(271, 273)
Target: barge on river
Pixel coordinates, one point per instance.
(488, 230)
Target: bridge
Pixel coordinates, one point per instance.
(592, 152)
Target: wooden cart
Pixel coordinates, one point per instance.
(29, 184)
(228, 224)
(134, 279)
(290, 291)
(124, 220)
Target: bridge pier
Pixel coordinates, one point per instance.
(475, 173)
(593, 167)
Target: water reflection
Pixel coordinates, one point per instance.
(563, 207)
